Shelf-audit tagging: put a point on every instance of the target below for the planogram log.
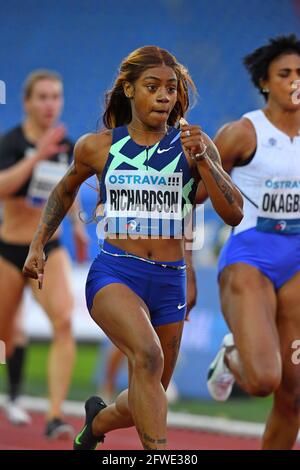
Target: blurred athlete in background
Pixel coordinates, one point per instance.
(33, 158)
(260, 263)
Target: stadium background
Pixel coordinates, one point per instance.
(85, 41)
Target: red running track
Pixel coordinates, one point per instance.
(31, 437)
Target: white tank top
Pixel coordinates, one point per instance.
(270, 182)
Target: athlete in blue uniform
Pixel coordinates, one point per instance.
(260, 263)
(135, 290)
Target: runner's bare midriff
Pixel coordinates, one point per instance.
(20, 221)
(156, 249)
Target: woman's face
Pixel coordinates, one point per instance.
(154, 95)
(283, 74)
(45, 103)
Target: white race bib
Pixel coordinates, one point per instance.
(279, 207)
(143, 202)
(144, 194)
(45, 176)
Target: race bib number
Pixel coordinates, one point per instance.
(143, 201)
(45, 176)
(279, 208)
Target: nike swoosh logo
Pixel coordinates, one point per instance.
(164, 150)
(179, 306)
(77, 439)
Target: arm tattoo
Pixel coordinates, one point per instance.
(213, 153)
(53, 213)
(214, 156)
(59, 202)
(223, 185)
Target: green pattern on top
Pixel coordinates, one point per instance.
(185, 194)
(138, 162)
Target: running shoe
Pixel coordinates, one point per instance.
(86, 440)
(16, 414)
(220, 380)
(56, 428)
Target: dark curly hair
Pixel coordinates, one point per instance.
(257, 63)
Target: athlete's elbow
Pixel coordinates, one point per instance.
(235, 217)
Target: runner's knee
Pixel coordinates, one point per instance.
(262, 381)
(61, 323)
(149, 359)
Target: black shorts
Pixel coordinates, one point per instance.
(16, 254)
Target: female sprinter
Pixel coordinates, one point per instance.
(259, 265)
(135, 290)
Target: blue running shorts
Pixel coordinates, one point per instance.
(277, 256)
(161, 285)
